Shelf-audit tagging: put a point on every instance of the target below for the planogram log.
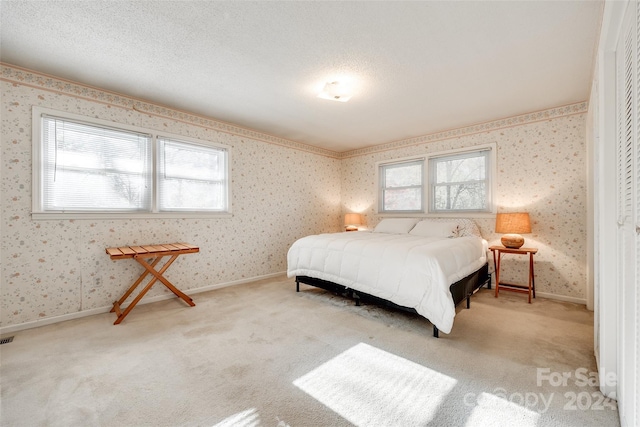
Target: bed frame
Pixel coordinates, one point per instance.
(461, 290)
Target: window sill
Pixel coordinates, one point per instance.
(41, 216)
(440, 215)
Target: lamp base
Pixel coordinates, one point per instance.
(512, 241)
(351, 228)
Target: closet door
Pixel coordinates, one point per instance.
(631, 230)
(628, 206)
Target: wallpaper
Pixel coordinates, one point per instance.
(281, 190)
(541, 170)
(56, 267)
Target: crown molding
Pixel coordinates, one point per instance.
(22, 76)
(523, 119)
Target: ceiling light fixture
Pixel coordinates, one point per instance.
(336, 91)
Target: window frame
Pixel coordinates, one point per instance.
(38, 212)
(382, 166)
(428, 200)
(458, 155)
(163, 139)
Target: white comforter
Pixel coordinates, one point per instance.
(407, 270)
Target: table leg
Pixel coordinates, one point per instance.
(133, 303)
(531, 273)
(497, 268)
(135, 285)
(158, 275)
(529, 282)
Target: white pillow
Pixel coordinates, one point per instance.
(466, 226)
(395, 225)
(428, 228)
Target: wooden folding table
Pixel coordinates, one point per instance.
(529, 288)
(140, 254)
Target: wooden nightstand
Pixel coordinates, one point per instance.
(498, 251)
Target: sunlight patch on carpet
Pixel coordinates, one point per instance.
(492, 410)
(369, 386)
(248, 418)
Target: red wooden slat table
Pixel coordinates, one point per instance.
(155, 252)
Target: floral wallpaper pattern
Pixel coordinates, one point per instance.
(541, 170)
(55, 84)
(522, 119)
(282, 190)
(56, 267)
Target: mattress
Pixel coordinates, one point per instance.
(408, 270)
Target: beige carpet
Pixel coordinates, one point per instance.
(263, 355)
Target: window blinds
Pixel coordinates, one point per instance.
(94, 168)
(191, 177)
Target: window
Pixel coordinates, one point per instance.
(191, 177)
(401, 186)
(457, 181)
(93, 168)
(84, 167)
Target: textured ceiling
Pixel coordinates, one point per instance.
(417, 67)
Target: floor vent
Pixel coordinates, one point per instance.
(6, 340)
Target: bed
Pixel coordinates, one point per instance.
(425, 266)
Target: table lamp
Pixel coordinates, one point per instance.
(352, 221)
(513, 224)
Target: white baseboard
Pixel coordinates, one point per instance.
(582, 301)
(574, 300)
(84, 313)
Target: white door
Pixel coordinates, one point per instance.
(628, 208)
